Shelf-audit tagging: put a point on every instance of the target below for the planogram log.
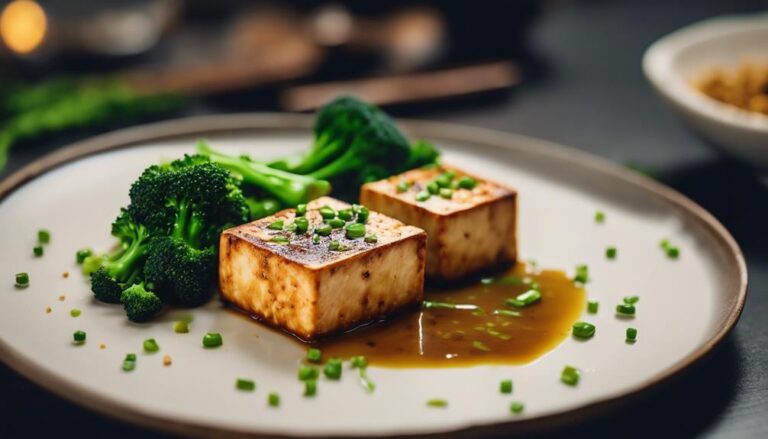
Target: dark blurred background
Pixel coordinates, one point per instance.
(567, 71)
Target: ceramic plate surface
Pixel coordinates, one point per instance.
(687, 305)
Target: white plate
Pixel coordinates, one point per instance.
(686, 307)
(672, 62)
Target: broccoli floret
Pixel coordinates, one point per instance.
(122, 266)
(181, 274)
(190, 199)
(139, 304)
(356, 142)
(289, 188)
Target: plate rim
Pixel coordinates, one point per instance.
(265, 122)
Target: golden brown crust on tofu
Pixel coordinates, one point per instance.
(309, 290)
(473, 230)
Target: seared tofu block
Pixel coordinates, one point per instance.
(470, 222)
(322, 275)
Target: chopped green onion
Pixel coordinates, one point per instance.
(403, 186)
(273, 399)
(673, 252)
(664, 244)
(22, 280)
(570, 375)
(37, 251)
(301, 210)
(336, 223)
(78, 337)
(212, 340)
(150, 345)
(438, 403)
(522, 300)
(129, 365)
(506, 312)
(327, 212)
(631, 334)
(307, 373)
(130, 357)
(346, 214)
(610, 252)
(245, 385)
(505, 386)
(433, 188)
(480, 346)
(467, 183)
(82, 254)
(582, 274)
(583, 330)
(315, 239)
(592, 306)
(359, 362)
(433, 304)
(43, 236)
(626, 309)
(280, 240)
(276, 225)
(516, 407)
(363, 214)
(423, 196)
(336, 246)
(181, 327)
(302, 225)
(600, 216)
(323, 229)
(310, 388)
(355, 230)
(444, 180)
(446, 193)
(371, 239)
(631, 300)
(369, 385)
(332, 369)
(291, 227)
(74, 312)
(314, 355)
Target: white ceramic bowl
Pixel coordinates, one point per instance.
(674, 60)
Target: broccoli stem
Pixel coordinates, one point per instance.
(323, 150)
(349, 161)
(289, 188)
(188, 226)
(123, 268)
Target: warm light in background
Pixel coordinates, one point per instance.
(23, 26)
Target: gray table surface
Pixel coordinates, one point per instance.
(589, 94)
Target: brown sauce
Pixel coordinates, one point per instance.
(441, 337)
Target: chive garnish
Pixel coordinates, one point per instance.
(582, 274)
(438, 403)
(446, 193)
(315, 239)
(505, 386)
(516, 407)
(310, 388)
(403, 186)
(444, 180)
(273, 399)
(327, 212)
(181, 327)
(671, 251)
(625, 309)
(307, 373)
(22, 280)
(433, 188)
(129, 363)
(433, 304)
(359, 362)
(631, 300)
(362, 214)
(610, 252)
(336, 223)
(366, 382)
(301, 210)
(631, 335)
(467, 183)
(276, 225)
(522, 300)
(302, 225)
(506, 312)
(583, 330)
(371, 239)
(480, 346)
(323, 229)
(78, 337)
(280, 240)
(336, 246)
(570, 375)
(314, 355)
(212, 340)
(355, 230)
(345, 214)
(592, 306)
(37, 251)
(332, 369)
(74, 312)
(423, 196)
(43, 236)
(245, 385)
(150, 345)
(600, 216)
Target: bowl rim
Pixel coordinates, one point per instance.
(658, 67)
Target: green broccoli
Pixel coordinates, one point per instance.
(139, 304)
(290, 189)
(111, 272)
(356, 142)
(181, 274)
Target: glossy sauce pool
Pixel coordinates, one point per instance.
(443, 337)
